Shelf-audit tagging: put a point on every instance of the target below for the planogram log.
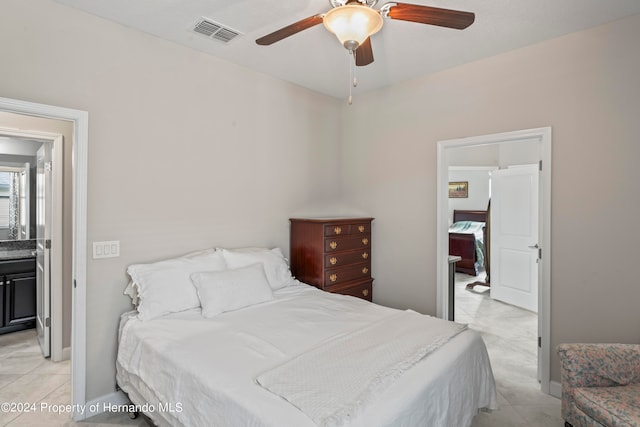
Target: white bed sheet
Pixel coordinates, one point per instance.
(205, 369)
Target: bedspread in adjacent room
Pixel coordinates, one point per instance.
(208, 368)
(475, 228)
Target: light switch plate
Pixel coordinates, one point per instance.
(106, 249)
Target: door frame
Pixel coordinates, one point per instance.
(442, 242)
(79, 149)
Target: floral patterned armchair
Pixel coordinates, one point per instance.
(600, 384)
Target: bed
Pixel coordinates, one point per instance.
(264, 364)
(467, 237)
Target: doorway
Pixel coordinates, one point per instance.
(543, 137)
(38, 226)
(77, 228)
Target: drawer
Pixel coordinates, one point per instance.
(361, 290)
(335, 276)
(360, 228)
(347, 243)
(339, 259)
(27, 265)
(336, 229)
(344, 229)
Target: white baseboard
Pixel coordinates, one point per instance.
(555, 389)
(66, 353)
(100, 405)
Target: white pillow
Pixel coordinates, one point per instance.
(165, 286)
(275, 264)
(228, 290)
(132, 289)
(193, 254)
(133, 292)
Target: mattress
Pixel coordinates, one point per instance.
(185, 370)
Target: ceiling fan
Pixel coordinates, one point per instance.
(354, 21)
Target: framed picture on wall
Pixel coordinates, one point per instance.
(458, 189)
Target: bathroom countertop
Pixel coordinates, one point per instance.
(8, 254)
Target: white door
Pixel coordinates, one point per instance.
(43, 245)
(514, 236)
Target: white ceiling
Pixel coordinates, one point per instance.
(315, 59)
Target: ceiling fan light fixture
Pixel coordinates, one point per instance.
(352, 24)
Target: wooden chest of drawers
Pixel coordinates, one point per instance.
(333, 254)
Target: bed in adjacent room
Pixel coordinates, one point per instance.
(467, 237)
(248, 345)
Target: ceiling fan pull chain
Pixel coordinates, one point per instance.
(353, 67)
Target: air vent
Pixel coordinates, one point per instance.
(214, 30)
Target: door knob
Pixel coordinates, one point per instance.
(534, 246)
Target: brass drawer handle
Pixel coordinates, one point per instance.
(333, 245)
(365, 270)
(337, 230)
(365, 292)
(365, 255)
(333, 260)
(333, 277)
(365, 241)
(361, 228)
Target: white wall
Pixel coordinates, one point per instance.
(185, 151)
(18, 146)
(479, 188)
(584, 86)
(519, 153)
(474, 156)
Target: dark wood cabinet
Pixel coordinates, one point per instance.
(18, 295)
(333, 254)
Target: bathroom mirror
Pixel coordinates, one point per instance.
(17, 188)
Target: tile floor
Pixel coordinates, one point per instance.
(509, 332)
(25, 376)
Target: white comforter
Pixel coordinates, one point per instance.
(203, 371)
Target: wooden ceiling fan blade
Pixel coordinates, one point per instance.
(449, 18)
(290, 30)
(364, 53)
